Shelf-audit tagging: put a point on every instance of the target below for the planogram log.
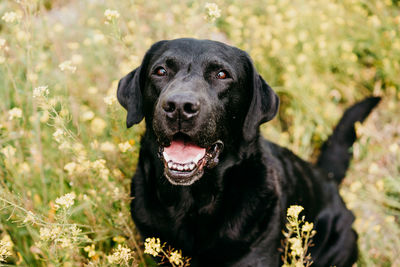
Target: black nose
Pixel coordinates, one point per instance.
(181, 106)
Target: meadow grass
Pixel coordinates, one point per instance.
(66, 157)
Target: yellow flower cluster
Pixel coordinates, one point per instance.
(124, 147)
(152, 246)
(111, 14)
(213, 11)
(122, 255)
(176, 257)
(298, 239)
(65, 237)
(65, 201)
(294, 211)
(5, 249)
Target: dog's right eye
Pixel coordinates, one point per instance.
(160, 71)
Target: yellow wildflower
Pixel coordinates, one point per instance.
(294, 211)
(121, 255)
(90, 250)
(152, 246)
(65, 201)
(123, 147)
(296, 246)
(307, 227)
(5, 249)
(175, 257)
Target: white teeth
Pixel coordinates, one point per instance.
(165, 155)
(199, 157)
(181, 167)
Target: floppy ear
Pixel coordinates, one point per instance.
(129, 91)
(263, 106)
(130, 97)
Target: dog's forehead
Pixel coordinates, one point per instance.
(192, 50)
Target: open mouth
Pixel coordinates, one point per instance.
(184, 161)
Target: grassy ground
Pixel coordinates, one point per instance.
(66, 157)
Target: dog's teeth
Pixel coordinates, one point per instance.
(174, 166)
(191, 166)
(165, 155)
(180, 168)
(170, 164)
(186, 167)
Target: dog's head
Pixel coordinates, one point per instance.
(196, 96)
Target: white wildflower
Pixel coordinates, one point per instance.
(67, 66)
(58, 135)
(110, 99)
(121, 255)
(2, 42)
(41, 91)
(294, 211)
(30, 218)
(65, 201)
(70, 167)
(107, 147)
(11, 17)
(8, 152)
(175, 257)
(123, 147)
(152, 246)
(5, 249)
(14, 113)
(87, 115)
(213, 11)
(111, 15)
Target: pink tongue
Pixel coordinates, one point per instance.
(180, 152)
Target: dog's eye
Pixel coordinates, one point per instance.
(222, 75)
(160, 71)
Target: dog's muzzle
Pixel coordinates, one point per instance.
(184, 161)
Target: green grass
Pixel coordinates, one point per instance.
(318, 56)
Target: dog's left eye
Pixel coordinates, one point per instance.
(222, 75)
(160, 71)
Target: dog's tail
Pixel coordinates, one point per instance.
(336, 152)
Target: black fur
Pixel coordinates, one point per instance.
(234, 214)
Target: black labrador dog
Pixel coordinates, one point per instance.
(206, 182)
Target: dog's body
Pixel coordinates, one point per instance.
(207, 183)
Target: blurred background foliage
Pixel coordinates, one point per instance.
(66, 157)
